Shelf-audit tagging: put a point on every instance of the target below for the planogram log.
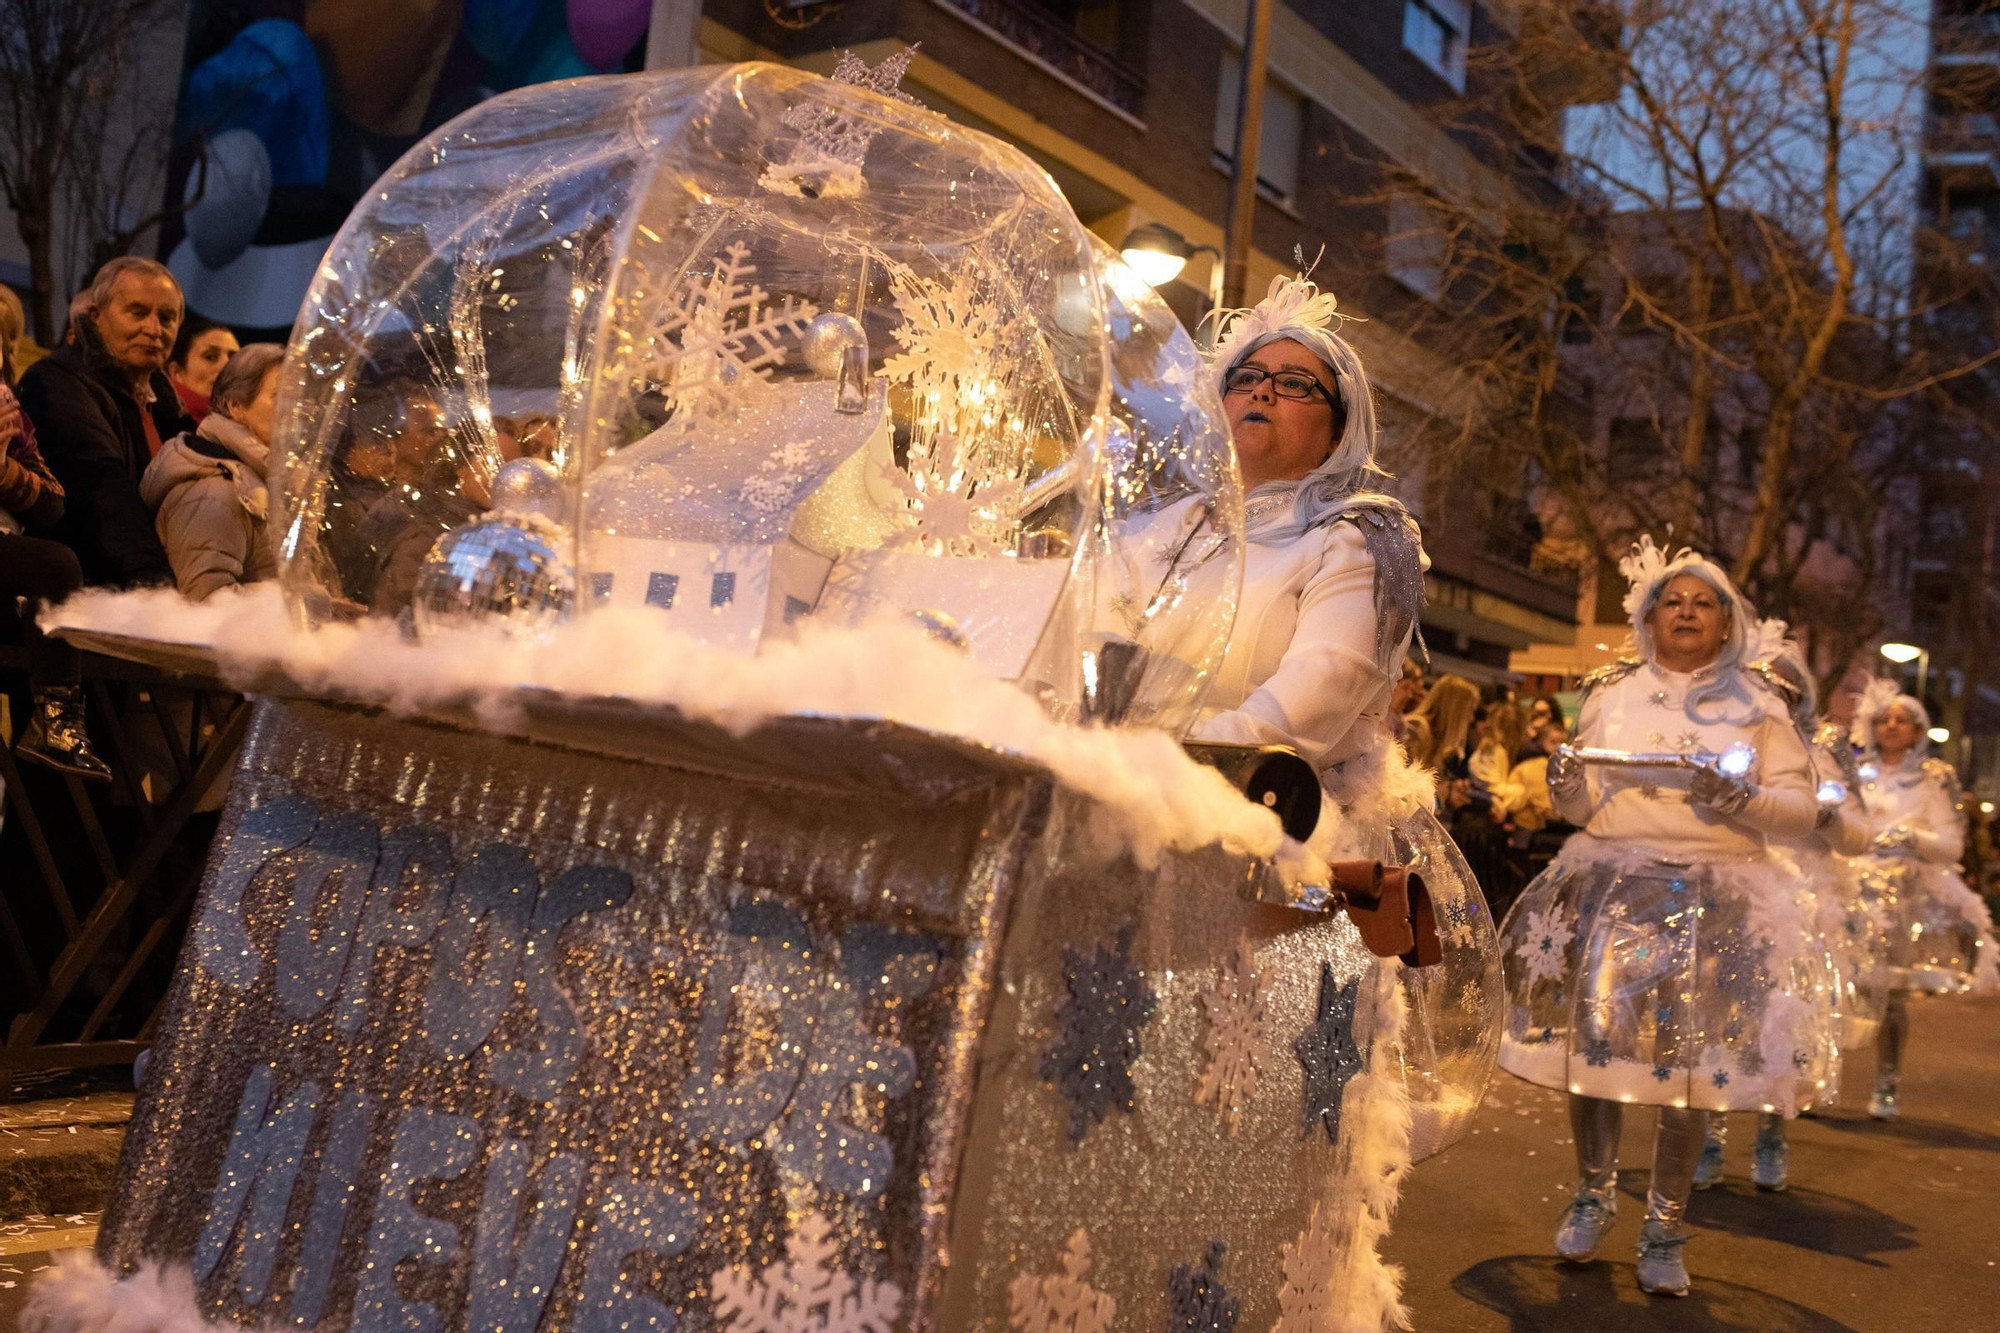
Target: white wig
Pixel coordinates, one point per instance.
(1296, 309)
(1876, 700)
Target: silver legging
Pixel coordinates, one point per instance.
(1889, 1040)
(1677, 1144)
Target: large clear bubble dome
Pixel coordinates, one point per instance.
(746, 348)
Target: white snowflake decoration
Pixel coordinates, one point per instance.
(961, 485)
(826, 160)
(712, 340)
(1237, 1034)
(805, 1292)
(1308, 1299)
(1545, 944)
(1064, 1303)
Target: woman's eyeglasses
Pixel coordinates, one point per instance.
(1284, 383)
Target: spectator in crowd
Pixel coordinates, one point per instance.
(32, 567)
(207, 488)
(79, 311)
(14, 340)
(199, 354)
(1502, 734)
(1439, 729)
(102, 407)
(1543, 710)
(1405, 695)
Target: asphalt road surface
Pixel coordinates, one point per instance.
(1887, 1228)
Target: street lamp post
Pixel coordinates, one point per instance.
(1902, 654)
(1158, 253)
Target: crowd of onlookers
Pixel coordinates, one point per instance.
(1489, 753)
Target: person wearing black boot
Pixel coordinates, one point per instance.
(40, 571)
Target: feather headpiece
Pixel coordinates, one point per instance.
(1769, 641)
(1878, 697)
(1296, 309)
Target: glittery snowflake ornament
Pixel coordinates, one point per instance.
(1197, 1302)
(806, 1292)
(1235, 1035)
(1328, 1054)
(1544, 945)
(825, 160)
(714, 338)
(1105, 1004)
(1062, 1302)
(1308, 1300)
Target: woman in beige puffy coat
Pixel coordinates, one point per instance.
(206, 488)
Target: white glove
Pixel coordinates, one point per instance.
(1566, 774)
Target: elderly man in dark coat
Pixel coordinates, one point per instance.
(102, 407)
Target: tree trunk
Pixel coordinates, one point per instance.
(37, 227)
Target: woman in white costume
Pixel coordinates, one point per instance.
(1848, 1003)
(1940, 935)
(1649, 963)
(1332, 592)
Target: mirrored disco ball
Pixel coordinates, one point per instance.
(530, 486)
(503, 571)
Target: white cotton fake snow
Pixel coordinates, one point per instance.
(1148, 793)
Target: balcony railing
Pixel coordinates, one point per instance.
(1040, 34)
(1966, 39)
(1964, 150)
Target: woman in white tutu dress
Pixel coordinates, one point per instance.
(1939, 938)
(1655, 961)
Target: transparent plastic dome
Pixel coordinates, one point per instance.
(795, 347)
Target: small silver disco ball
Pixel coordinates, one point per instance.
(530, 486)
(501, 572)
(827, 339)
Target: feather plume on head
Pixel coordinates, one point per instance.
(1877, 698)
(1296, 309)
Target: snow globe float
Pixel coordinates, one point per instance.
(713, 851)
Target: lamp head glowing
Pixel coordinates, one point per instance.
(1901, 652)
(1156, 252)
(1939, 735)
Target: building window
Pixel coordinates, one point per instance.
(660, 590)
(1282, 137)
(1634, 450)
(1414, 248)
(1434, 32)
(723, 590)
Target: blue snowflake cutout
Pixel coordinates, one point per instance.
(1327, 1051)
(1105, 1004)
(1662, 1073)
(1197, 1302)
(1721, 1079)
(1597, 1052)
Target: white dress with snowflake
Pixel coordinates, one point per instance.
(1669, 955)
(1939, 933)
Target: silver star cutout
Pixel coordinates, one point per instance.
(1660, 697)
(1688, 740)
(1656, 740)
(1650, 790)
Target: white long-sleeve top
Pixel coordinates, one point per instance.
(1647, 710)
(1301, 668)
(1907, 793)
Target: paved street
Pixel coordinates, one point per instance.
(1885, 1228)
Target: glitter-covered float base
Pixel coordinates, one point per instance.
(477, 1032)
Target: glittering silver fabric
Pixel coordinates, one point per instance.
(481, 1033)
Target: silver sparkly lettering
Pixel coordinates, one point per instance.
(512, 1279)
(634, 1217)
(761, 964)
(334, 1191)
(404, 904)
(426, 1145)
(220, 941)
(255, 1183)
(334, 870)
(479, 949)
(541, 1073)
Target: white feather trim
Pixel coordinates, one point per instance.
(1768, 641)
(81, 1295)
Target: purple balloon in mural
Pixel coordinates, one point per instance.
(604, 30)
